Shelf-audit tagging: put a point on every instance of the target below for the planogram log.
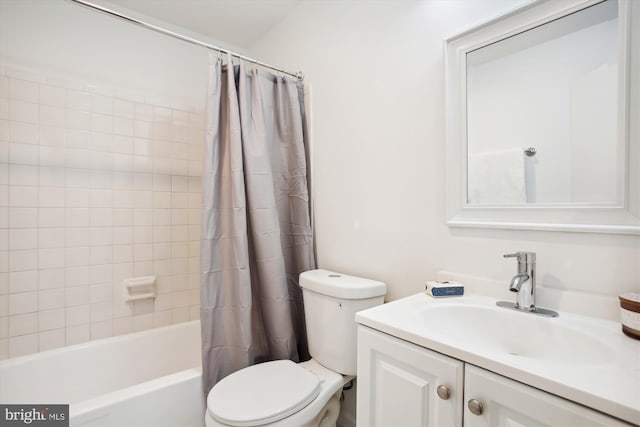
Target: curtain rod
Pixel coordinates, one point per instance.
(298, 75)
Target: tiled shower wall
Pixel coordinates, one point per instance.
(97, 184)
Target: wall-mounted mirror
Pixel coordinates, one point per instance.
(542, 119)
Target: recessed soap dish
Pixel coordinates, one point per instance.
(630, 314)
(138, 288)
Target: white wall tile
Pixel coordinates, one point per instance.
(180, 314)
(101, 141)
(77, 256)
(162, 318)
(101, 123)
(101, 292)
(101, 311)
(51, 237)
(51, 95)
(51, 197)
(49, 340)
(78, 197)
(23, 154)
(143, 322)
(123, 108)
(80, 139)
(51, 217)
(143, 181)
(51, 176)
(161, 234)
(22, 111)
(142, 252)
(101, 236)
(23, 260)
(143, 199)
(79, 159)
(26, 302)
(123, 217)
(23, 324)
(23, 281)
(4, 150)
(4, 87)
(102, 161)
(101, 198)
(4, 326)
(91, 190)
(23, 175)
(122, 325)
(122, 143)
(101, 255)
(77, 178)
(4, 200)
(101, 104)
(52, 136)
(23, 345)
(143, 112)
(78, 334)
(50, 299)
(53, 116)
(77, 277)
(52, 156)
(78, 120)
(78, 236)
(103, 329)
(24, 90)
(101, 273)
(51, 258)
(143, 234)
(52, 319)
(23, 196)
(101, 217)
(51, 279)
(77, 301)
(78, 100)
(123, 253)
(123, 126)
(23, 238)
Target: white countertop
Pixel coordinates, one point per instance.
(611, 386)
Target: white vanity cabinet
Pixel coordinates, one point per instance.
(508, 403)
(398, 384)
(398, 387)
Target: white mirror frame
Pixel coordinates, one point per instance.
(623, 219)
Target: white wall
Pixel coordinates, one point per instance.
(63, 37)
(377, 73)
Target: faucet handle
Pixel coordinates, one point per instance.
(529, 257)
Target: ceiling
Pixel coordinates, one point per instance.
(235, 23)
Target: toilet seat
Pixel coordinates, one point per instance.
(262, 394)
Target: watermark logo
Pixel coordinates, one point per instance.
(34, 415)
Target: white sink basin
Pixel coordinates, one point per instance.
(503, 331)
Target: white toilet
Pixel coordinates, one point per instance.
(283, 393)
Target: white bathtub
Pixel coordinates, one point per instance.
(149, 378)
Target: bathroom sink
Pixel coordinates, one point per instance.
(501, 331)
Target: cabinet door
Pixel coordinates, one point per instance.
(397, 384)
(508, 403)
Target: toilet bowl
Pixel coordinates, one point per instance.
(279, 393)
(283, 393)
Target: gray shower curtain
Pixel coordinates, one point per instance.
(256, 230)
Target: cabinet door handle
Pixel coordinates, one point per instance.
(443, 392)
(475, 406)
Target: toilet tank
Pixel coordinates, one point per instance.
(331, 301)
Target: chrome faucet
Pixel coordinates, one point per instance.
(524, 283)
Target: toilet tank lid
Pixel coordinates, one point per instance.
(340, 285)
